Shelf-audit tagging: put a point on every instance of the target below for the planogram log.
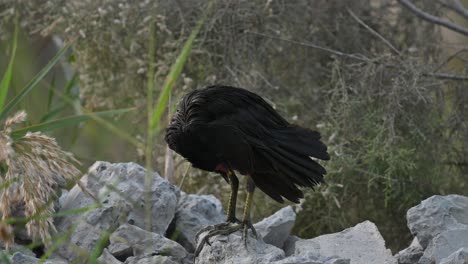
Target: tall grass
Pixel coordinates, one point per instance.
(47, 123)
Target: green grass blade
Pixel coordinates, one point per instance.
(102, 242)
(50, 96)
(173, 75)
(52, 112)
(71, 83)
(67, 121)
(5, 83)
(33, 83)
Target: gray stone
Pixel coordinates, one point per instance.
(89, 229)
(458, 257)
(20, 258)
(290, 245)
(436, 215)
(444, 244)
(63, 197)
(16, 248)
(121, 190)
(151, 260)
(276, 228)
(361, 244)
(231, 249)
(411, 254)
(308, 260)
(107, 258)
(129, 240)
(193, 213)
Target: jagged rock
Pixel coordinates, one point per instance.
(361, 244)
(411, 254)
(20, 258)
(436, 215)
(275, 229)
(129, 240)
(63, 197)
(107, 258)
(231, 249)
(290, 244)
(193, 213)
(458, 257)
(311, 260)
(121, 191)
(151, 260)
(444, 244)
(15, 248)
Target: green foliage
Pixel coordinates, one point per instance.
(5, 83)
(33, 83)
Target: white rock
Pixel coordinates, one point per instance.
(458, 257)
(362, 244)
(20, 258)
(107, 258)
(151, 260)
(129, 240)
(437, 214)
(444, 244)
(193, 213)
(231, 250)
(121, 190)
(411, 254)
(308, 260)
(290, 244)
(276, 228)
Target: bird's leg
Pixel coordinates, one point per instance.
(231, 217)
(232, 225)
(223, 228)
(234, 182)
(246, 223)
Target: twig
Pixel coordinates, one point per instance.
(433, 19)
(375, 33)
(311, 45)
(446, 76)
(457, 7)
(461, 9)
(450, 58)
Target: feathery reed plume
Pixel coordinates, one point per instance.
(33, 167)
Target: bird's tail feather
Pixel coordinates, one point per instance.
(287, 164)
(302, 141)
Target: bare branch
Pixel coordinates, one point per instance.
(457, 6)
(433, 19)
(315, 46)
(450, 58)
(463, 11)
(375, 33)
(446, 76)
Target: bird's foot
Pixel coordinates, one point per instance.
(226, 228)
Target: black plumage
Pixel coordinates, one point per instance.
(223, 128)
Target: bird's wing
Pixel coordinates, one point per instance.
(227, 143)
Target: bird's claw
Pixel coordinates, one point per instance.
(223, 229)
(246, 226)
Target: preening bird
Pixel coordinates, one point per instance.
(225, 129)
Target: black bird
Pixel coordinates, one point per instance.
(225, 129)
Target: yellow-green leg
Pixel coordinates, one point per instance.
(232, 225)
(246, 223)
(234, 182)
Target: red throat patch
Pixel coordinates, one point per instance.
(220, 168)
